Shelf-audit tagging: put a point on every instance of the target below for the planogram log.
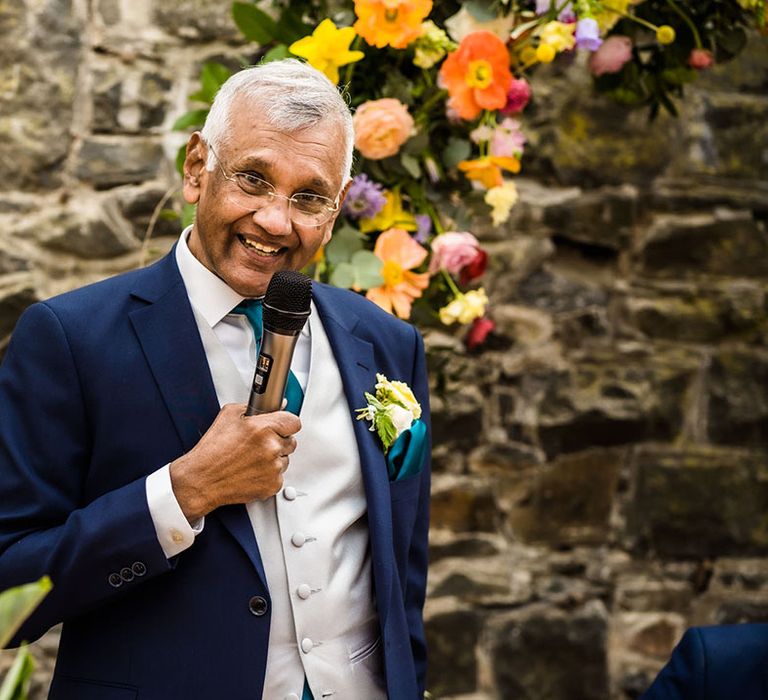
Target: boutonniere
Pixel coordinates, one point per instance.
(391, 410)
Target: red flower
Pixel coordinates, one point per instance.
(474, 268)
(478, 332)
(700, 59)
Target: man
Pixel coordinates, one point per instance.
(196, 552)
(721, 662)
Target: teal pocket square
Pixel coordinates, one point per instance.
(406, 456)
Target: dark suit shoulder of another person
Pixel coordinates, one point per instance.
(722, 662)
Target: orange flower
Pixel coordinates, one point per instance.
(400, 254)
(381, 127)
(394, 23)
(487, 170)
(477, 75)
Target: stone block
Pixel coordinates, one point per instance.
(642, 592)
(554, 291)
(452, 639)
(724, 243)
(544, 653)
(566, 502)
(697, 313)
(738, 403)
(462, 505)
(443, 545)
(697, 193)
(109, 161)
(196, 20)
(458, 422)
(647, 634)
(700, 502)
(14, 298)
(137, 205)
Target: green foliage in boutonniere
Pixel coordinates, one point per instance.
(391, 410)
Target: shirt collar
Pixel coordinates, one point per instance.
(211, 296)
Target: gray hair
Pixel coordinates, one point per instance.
(292, 94)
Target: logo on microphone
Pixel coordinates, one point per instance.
(261, 377)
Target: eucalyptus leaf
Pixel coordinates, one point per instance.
(343, 276)
(195, 117)
(343, 245)
(411, 164)
(16, 604)
(456, 151)
(367, 270)
(482, 10)
(255, 24)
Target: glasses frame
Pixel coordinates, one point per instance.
(333, 204)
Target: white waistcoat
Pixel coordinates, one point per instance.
(313, 540)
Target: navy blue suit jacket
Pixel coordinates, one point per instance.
(102, 386)
(723, 662)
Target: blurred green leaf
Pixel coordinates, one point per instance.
(195, 117)
(16, 604)
(181, 156)
(278, 53)
(456, 151)
(343, 276)
(482, 10)
(343, 245)
(411, 165)
(255, 24)
(367, 268)
(212, 76)
(188, 214)
(19, 676)
(168, 215)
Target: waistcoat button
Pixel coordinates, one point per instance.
(298, 539)
(304, 591)
(289, 493)
(258, 605)
(306, 645)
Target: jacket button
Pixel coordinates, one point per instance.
(115, 580)
(258, 605)
(139, 568)
(126, 573)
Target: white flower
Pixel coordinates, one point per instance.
(401, 417)
(391, 411)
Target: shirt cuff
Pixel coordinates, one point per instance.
(174, 531)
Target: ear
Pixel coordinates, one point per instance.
(194, 168)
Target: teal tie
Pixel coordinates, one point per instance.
(251, 309)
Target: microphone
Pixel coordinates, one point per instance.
(285, 311)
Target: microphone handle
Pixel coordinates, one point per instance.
(271, 374)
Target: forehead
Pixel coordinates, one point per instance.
(317, 151)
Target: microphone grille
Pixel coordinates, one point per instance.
(287, 301)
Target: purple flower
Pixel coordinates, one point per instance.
(364, 199)
(588, 34)
(424, 224)
(566, 14)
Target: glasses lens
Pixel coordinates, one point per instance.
(311, 209)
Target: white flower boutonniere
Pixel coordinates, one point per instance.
(391, 410)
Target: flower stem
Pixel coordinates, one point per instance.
(451, 284)
(688, 21)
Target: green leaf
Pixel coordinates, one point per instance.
(411, 165)
(212, 77)
(367, 268)
(343, 245)
(482, 10)
(188, 214)
(19, 677)
(343, 276)
(255, 24)
(456, 151)
(278, 53)
(416, 144)
(292, 27)
(168, 215)
(195, 117)
(181, 156)
(16, 604)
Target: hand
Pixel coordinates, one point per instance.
(239, 459)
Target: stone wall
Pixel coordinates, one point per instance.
(601, 464)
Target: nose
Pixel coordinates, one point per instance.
(275, 216)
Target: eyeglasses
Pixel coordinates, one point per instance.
(253, 193)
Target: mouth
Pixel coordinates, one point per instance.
(260, 248)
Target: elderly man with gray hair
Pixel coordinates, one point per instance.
(197, 552)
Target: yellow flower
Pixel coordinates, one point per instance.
(392, 215)
(465, 308)
(558, 35)
(487, 170)
(327, 48)
(501, 199)
(399, 393)
(432, 45)
(665, 34)
(394, 23)
(545, 53)
(612, 12)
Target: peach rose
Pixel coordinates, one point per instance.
(381, 127)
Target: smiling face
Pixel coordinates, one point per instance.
(246, 248)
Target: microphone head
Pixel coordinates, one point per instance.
(286, 303)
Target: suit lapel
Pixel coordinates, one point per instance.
(356, 362)
(164, 326)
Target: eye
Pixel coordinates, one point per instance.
(311, 202)
(253, 183)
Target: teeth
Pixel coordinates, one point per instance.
(260, 247)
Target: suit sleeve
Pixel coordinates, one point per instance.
(92, 550)
(684, 676)
(416, 585)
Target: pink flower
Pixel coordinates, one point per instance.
(479, 331)
(700, 59)
(381, 127)
(611, 56)
(453, 251)
(517, 96)
(508, 139)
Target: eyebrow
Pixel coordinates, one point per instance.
(262, 165)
